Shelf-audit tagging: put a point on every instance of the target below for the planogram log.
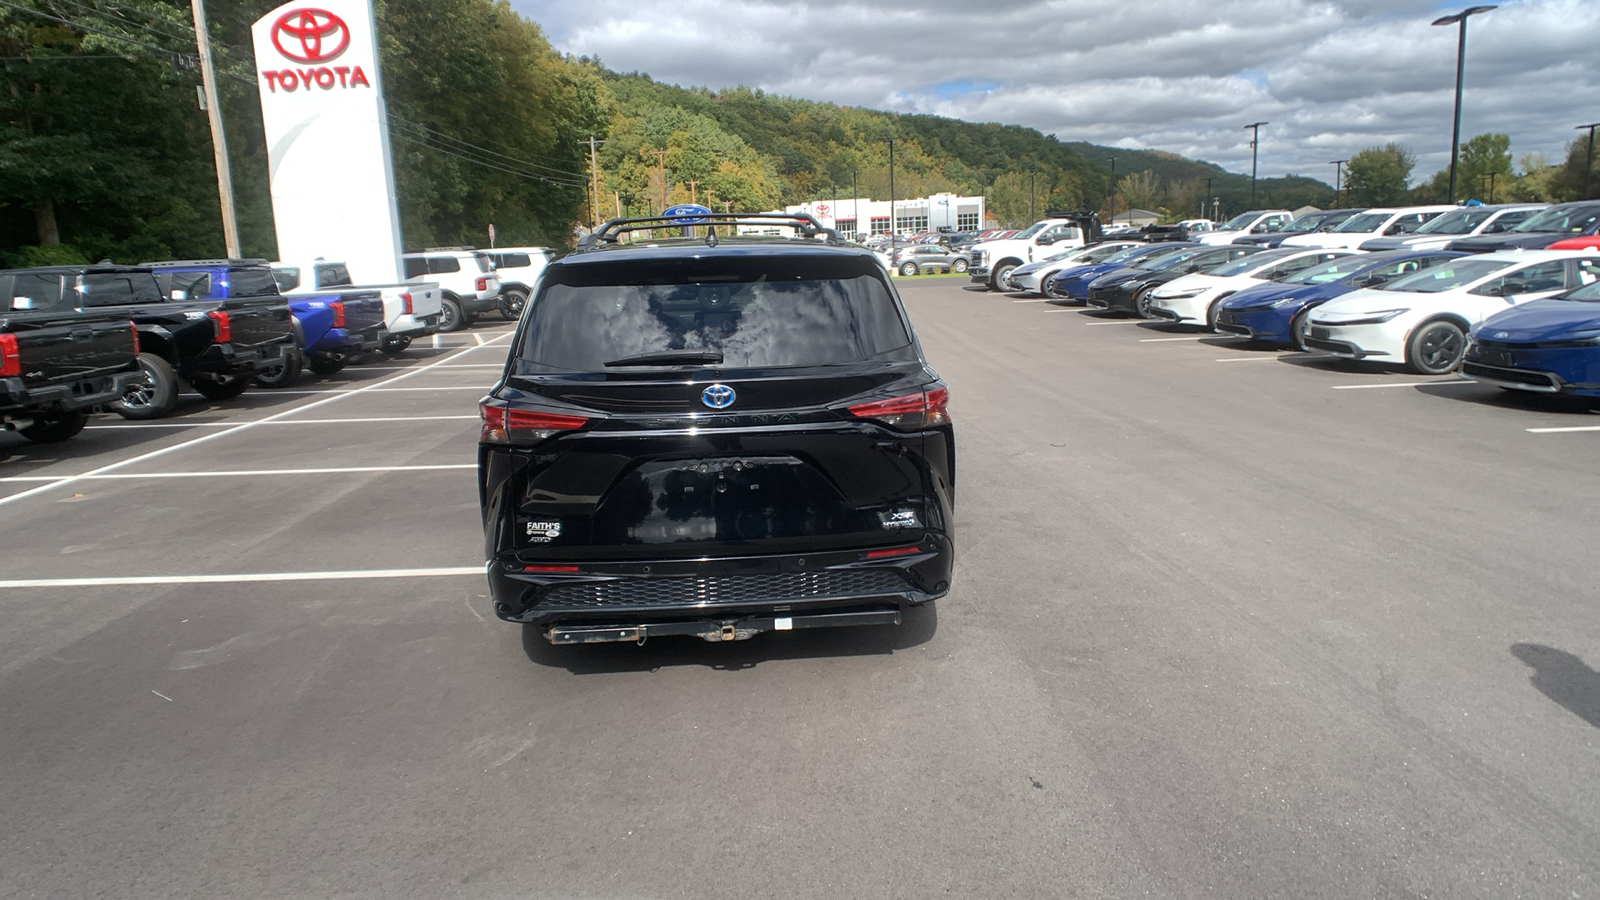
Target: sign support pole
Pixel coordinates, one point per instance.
(219, 141)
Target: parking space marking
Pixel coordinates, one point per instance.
(1254, 358)
(240, 473)
(1448, 382)
(371, 390)
(1040, 300)
(1563, 430)
(361, 369)
(1195, 337)
(1118, 322)
(247, 578)
(280, 422)
(243, 426)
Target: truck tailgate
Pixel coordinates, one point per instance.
(258, 322)
(54, 349)
(363, 310)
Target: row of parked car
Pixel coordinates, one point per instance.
(1500, 292)
(78, 339)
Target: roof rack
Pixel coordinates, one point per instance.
(804, 225)
(171, 263)
(465, 249)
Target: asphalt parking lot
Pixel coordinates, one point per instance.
(1227, 622)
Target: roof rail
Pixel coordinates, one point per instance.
(171, 263)
(464, 249)
(804, 224)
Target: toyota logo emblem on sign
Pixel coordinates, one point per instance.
(310, 35)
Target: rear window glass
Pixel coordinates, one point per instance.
(513, 260)
(35, 291)
(255, 282)
(189, 286)
(333, 275)
(118, 288)
(288, 279)
(414, 266)
(443, 265)
(755, 312)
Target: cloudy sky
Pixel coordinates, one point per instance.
(1330, 76)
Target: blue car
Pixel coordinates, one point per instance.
(1546, 346)
(1072, 285)
(1276, 311)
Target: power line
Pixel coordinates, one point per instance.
(427, 141)
(448, 152)
(425, 135)
(485, 150)
(186, 35)
(175, 57)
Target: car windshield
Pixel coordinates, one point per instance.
(1174, 258)
(1305, 224)
(1461, 221)
(1250, 263)
(757, 312)
(1130, 253)
(1332, 270)
(1097, 254)
(1586, 294)
(1563, 220)
(1448, 276)
(1238, 222)
(1364, 222)
(1032, 230)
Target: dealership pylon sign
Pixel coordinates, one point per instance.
(327, 136)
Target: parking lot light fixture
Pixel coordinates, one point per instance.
(1255, 143)
(1588, 164)
(1338, 178)
(1460, 19)
(891, 199)
(1111, 212)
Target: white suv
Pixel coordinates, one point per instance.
(466, 278)
(518, 268)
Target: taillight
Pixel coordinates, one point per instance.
(10, 356)
(338, 313)
(135, 338)
(483, 284)
(224, 326)
(405, 300)
(504, 425)
(923, 409)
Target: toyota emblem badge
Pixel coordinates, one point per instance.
(310, 35)
(717, 396)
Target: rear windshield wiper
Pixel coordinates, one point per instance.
(668, 358)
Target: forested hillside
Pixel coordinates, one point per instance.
(104, 151)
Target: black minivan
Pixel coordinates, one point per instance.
(717, 438)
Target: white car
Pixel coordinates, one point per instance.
(1031, 277)
(518, 268)
(1422, 320)
(465, 276)
(1192, 299)
(1465, 221)
(1374, 223)
(1256, 221)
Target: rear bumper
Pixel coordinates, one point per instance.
(17, 398)
(633, 593)
(414, 326)
(225, 359)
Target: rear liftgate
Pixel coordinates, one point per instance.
(715, 631)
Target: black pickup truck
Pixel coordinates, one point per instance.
(217, 346)
(58, 363)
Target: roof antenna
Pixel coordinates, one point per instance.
(711, 235)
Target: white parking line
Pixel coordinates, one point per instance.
(133, 427)
(1118, 322)
(1564, 430)
(184, 445)
(1447, 382)
(1254, 358)
(371, 390)
(360, 369)
(239, 473)
(347, 575)
(1040, 300)
(1161, 340)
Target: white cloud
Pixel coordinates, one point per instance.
(1331, 76)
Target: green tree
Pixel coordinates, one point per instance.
(1377, 176)
(1141, 190)
(1484, 164)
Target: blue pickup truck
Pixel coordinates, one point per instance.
(330, 328)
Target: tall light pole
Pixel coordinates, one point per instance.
(1255, 142)
(1588, 165)
(1459, 18)
(1203, 199)
(1111, 209)
(1338, 177)
(892, 235)
(855, 198)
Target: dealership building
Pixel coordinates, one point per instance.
(940, 212)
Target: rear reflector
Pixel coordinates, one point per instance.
(550, 569)
(896, 551)
(504, 425)
(338, 313)
(10, 356)
(405, 300)
(923, 409)
(224, 326)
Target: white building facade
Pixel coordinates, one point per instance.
(864, 216)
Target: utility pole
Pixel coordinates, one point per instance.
(1112, 209)
(594, 174)
(1255, 143)
(892, 236)
(661, 159)
(855, 197)
(1460, 19)
(219, 141)
(1588, 165)
(692, 185)
(1491, 185)
(1030, 195)
(1338, 178)
(1203, 199)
